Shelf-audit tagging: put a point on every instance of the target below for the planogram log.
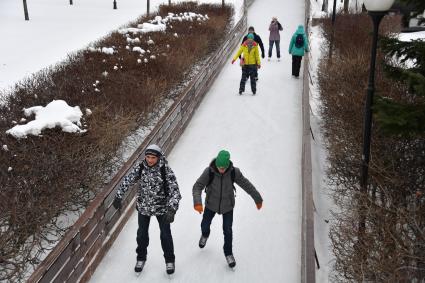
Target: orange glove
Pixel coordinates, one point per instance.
(233, 61)
(259, 205)
(198, 207)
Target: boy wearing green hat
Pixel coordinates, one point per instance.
(218, 180)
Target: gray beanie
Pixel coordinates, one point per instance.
(153, 149)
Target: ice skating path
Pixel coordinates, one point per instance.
(263, 135)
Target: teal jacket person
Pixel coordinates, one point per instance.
(293, 49)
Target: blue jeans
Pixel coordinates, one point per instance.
(143, 238)
(227, 228)
(277, 42)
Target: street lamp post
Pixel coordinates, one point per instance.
(27, 18)
(377, 9)
(333, 13)
(115, 4)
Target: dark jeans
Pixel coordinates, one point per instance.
(296, 65)
(249, 71)
(277, 42)
(227, 228)
(143, 238)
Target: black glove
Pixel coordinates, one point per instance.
(169, 216)
(262, 55)
(117, 203)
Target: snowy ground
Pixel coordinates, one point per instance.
(321, 192)
(263, 135)
(56, 29)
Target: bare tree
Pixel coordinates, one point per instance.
(346, 5)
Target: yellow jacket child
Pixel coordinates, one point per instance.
(250, 63)
(250, 52)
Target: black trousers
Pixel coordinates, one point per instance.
(143, 238)
(208, 216)
(249, 71)
(296, 65)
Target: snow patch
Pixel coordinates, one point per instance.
(138, 49)
(56, 114)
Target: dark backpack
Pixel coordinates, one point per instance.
(211, 178)
(163, 176)
(299, 41)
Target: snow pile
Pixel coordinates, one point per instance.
(133, 41)
(138, 49)
(412, 36)
(106, 50)
(56, 114)
(159, 23)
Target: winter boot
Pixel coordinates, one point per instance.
(203, 241)
(231, 261)
(139, 266)
(170, 267)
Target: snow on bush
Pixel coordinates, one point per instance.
(56, 114)
(138, 49)
(160, 24)
(133, 41)
(106, 50)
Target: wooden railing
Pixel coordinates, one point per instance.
(308, 270)
(78, 253)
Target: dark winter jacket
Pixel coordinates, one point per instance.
(220, 196)
(274, 29)
(257, 39)
(298, 51)
(152, 197)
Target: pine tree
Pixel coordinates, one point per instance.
(406, 117)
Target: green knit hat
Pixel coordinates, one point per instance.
(223, 159)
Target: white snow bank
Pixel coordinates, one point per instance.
(56, 114)
(412, 36)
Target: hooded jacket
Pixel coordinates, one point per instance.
(257, 39)
(251, 55)
(220, 196)
(153, 198)
(295, 50)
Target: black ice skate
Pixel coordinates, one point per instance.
(170, 267)
(202, 242)
(231, 261)
(139, 266)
